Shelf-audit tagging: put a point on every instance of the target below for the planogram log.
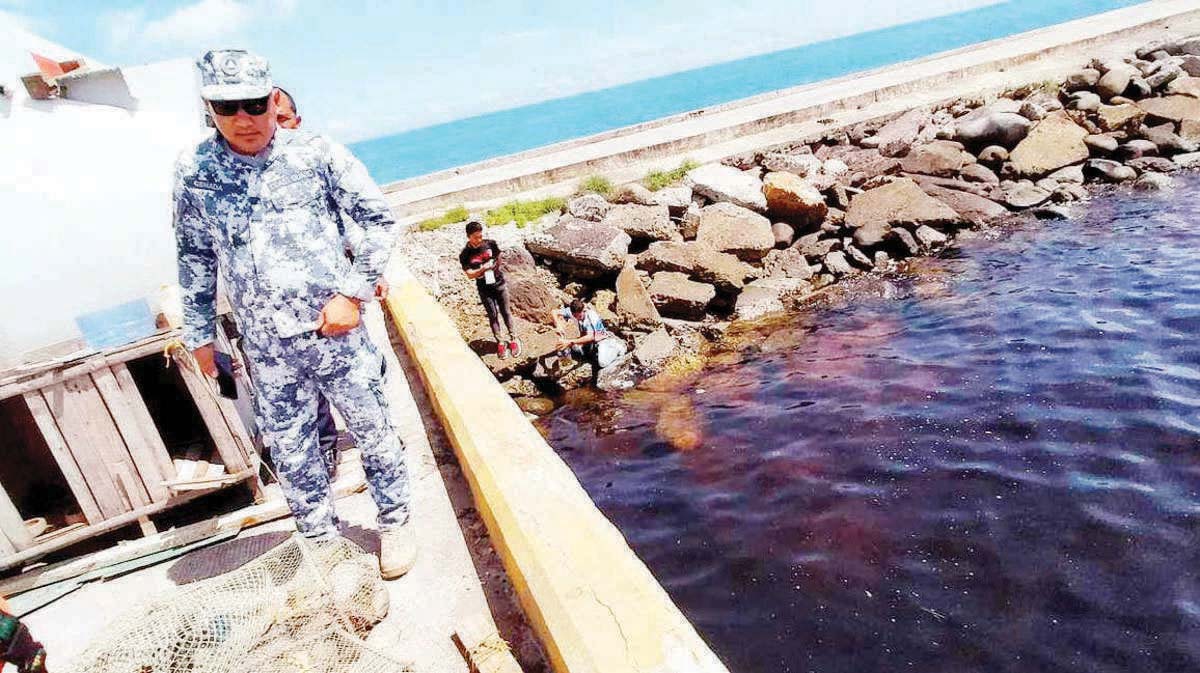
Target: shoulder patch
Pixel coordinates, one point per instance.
(200, 183)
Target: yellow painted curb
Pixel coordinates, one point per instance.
(594, 605)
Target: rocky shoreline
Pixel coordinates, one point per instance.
(760, 234)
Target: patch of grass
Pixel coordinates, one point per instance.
(523, 212)
(596, 184)
(455, 214)
(656, 180)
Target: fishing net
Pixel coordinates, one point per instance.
(301, 607)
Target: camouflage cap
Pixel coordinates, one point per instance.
(233, 74)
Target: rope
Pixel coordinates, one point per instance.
(491, 646)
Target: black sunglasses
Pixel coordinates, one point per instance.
(228, 108)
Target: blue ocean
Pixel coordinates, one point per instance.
(464, 141)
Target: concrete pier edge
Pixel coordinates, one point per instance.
(593, 603)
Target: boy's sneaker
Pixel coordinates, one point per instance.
(502, 350)
(515, 347)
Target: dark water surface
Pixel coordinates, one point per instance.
(992, 465)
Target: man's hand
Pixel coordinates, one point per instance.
(381, 289)
(204, 360)
(339, 316)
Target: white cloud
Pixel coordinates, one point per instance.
(200, 24)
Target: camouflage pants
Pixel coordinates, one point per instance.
(288, 375)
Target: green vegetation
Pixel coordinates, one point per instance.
(522, 212)
(596, 184)
(455, 214)
(656, 180)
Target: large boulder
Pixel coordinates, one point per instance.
(634, 306)
(940, 157)
(978, 210)
(720, 183)
(1054, 142)
(1171, 108)
(678, 297)
(728, 227)
(981, 129)
(766, 296)
(837, 264)
(529, 296)
(1081, 79)
(591, 207)
(814, 247)
(643, 222)
(699, 261)
(1112, 171)
(899, 203)
(793, 199)
(632, 193)
(585, 249)
(1024, 194)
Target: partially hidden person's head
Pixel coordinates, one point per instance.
(475, 233)
(237, 89)
(287, 115)
(577, 308)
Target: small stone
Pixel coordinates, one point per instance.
(676, 296)
(980, 173)
(632, 193)
(1119, 117)
(1153, 165)
(789, 263)
(790, 197)
(1051, 213)
(654, 349)
(836, 263)
(1023, 194)
(1167, 141)
(1081, 79)
(677, 199)
(730, 228)
(815, 248)
(723, 183)
(1084, 101)
(591, 207)
(784, 234)
(929, 237)
(1189, 160)
(766, 296)
(1138, 89)
(1166, 74)
(1135, 149)
(991, 127)
(1069, 175)
(1116, 80)
(858, 258)
(883, 262)
(1185, 86)
(993, 155)
(1110, 171)
(803, 165)
(906, 240)
(835, 167)
(940, 157)
(1153, 182)
(1102, 145)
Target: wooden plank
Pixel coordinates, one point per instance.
(12, 524)
(60, 372)
(144, 462)
(126, 519)
(274, 508)
(62, 455)
(205, 398)
(92, 439)
(141, 414)
(130, 487)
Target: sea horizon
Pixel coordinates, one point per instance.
(428, 149)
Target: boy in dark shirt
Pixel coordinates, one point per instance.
(480, 260)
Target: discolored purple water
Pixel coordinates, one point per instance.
(991, 465)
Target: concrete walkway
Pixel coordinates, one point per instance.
(442, 595)
(791, 114)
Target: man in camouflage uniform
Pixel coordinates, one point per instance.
(262, 203)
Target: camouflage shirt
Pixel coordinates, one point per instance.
(271, 224)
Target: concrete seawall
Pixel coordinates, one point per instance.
(595, 606)
(792, 114)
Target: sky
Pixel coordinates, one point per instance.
(362, 69)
